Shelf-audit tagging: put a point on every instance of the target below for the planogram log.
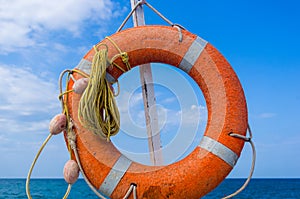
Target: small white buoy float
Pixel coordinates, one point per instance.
(71, 171)
(58, 124)
(80, 85)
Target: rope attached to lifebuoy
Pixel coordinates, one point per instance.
(98, 110)
(63, 122)
(246, 139)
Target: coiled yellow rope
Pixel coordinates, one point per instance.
(97, 109)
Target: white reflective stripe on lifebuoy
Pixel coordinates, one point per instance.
(219, 150)
(85, 66)
(115, 175)
(192, 54)
(110, 78)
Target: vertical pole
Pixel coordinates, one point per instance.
(149, 98)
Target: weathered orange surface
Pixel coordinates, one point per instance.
(199, 172)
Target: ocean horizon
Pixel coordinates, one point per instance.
(284, 188)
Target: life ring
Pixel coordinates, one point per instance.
(210, 162)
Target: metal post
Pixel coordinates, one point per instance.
(149, 98)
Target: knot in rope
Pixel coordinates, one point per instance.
(124, 57)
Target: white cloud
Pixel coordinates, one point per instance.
(23, 93)
(135, 99)
(193, 115)
(169, 100)
(123, 101)
(25, 127)
(267, 115)
(22, 22)
(133, 116)
(13, 35)
(27, 103)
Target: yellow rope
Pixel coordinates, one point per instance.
(64, 101)
(33, 164)
(123, 55)
(67, 192)
(97, 109)
(65, 111)
(80, 72)
(64, 106)
(64, 93)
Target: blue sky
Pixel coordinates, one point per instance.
(38, 39)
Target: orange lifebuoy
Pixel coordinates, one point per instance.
(210, 162)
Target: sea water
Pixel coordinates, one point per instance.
(55, 188)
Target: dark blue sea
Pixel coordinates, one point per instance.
(55, 188)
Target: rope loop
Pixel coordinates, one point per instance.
(242, 137)
(249, 140)
(179, 31)
(178, 25)
(118, 92)
(132, 189)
